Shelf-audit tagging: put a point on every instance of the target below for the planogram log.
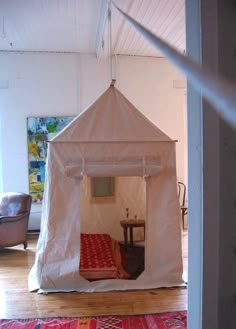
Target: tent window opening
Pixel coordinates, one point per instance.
(103, 186)
(112, 244)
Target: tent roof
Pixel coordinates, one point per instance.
(111, 118)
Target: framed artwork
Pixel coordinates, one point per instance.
(39, 131)
(103, 186)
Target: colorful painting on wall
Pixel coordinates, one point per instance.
(41, 130)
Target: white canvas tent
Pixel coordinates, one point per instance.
(110, 138)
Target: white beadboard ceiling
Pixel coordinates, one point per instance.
(82, 26)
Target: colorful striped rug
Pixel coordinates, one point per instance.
(169, 320)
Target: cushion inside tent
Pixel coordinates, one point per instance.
(109, 139)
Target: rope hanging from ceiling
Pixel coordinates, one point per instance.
(112, 79)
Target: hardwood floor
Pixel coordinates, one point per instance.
(17, 302)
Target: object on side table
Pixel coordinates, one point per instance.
(14, 217)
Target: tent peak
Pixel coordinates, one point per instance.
(112, 118)
(113, 81)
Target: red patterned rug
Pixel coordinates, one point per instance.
(169, 320)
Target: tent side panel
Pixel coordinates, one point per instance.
(163, 257)
(58, 247)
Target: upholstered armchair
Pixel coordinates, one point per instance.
(14, 218)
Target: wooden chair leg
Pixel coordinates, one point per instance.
(183, 219)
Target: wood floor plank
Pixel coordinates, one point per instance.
(17, 302)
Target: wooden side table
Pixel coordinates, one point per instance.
(129, 224)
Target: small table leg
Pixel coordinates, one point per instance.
(131, 236)
(126, 236)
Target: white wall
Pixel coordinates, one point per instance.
(42, 84)
(45, 84)
(149, 84)
(94, 79)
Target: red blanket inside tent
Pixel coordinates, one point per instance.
(100, 258)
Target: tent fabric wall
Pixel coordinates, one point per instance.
(73, 156)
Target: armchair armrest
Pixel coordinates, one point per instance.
(11, 219)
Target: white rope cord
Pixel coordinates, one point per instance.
(110, 38)
(218, 91)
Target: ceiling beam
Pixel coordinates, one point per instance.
(101, 27)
